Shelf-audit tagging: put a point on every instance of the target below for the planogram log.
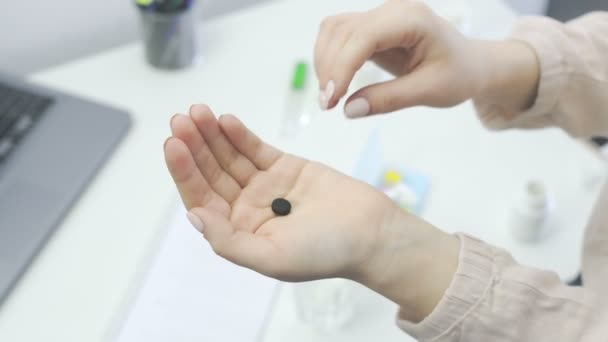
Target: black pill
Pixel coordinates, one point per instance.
(281, 207)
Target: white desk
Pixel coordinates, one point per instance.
(83, 277)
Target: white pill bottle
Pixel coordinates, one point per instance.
(529, 212)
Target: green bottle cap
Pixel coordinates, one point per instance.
(144, 2)
(299, 76)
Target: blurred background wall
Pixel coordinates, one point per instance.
(530, 6)
(37, 35)
(568, 9)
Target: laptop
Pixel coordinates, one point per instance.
(51, 146)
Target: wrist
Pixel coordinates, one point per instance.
(512, 74)
(413, 266)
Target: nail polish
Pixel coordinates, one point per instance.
(357, 108)
(322, 100)
(330, 91)
(196, 222)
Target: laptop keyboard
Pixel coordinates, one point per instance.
(19, 111)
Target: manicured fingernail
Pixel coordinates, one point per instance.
(322, 100)
(357, 108)
(330, 90)
(196, 222)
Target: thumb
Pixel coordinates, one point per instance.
(385, 97)
(239, 247)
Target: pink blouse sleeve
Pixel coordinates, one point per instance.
(573, 90)
(492, 297)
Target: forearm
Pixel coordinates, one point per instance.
(414, 266)
(462, 289)
(549, 74)
(512, 75)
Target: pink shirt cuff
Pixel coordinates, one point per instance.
(553, 79)
(473, 279)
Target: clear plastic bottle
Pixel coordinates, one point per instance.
(327, 305)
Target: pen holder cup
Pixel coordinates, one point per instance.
(169, 38)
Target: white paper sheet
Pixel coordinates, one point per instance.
(191, 294)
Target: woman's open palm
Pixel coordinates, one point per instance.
(228, 178)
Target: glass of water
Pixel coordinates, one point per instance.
(326, 304)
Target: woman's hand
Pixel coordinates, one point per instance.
(434, 64)
(228, 179)
(338, 227)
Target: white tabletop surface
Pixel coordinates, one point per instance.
(78, 286)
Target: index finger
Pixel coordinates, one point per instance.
(394, 24)
(326, 42)
(192, 186)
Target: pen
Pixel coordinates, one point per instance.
(145, 4)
